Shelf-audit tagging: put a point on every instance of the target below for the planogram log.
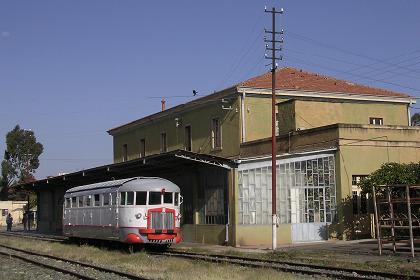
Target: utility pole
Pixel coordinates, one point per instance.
(274, 49)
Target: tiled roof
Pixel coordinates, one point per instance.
(295, 79)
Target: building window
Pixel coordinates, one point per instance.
(215, 134)
(142, 147)
(306, 192)
(163, 143)
(360, 199)
(188, 138)
(376, 121)
(125, 153)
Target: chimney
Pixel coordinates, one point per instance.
(163, 101)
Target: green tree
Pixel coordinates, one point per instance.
(392, 174)
(21, 159)
(415, 119)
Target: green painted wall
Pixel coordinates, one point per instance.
(200, 121)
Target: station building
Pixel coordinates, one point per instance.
(217, 148)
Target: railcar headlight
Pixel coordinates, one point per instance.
(138, 216)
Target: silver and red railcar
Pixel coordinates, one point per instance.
(136, 210)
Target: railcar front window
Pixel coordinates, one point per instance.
(80, 201)
(155, 198)
(141, 198)
(130, 198)
(73, 202)
(176, 199)
(123, 195)
(167, 197)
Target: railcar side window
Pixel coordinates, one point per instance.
(113, 199)
(123, 196)
(105, 199)
(67, 202)
(73, 202)
(155, 198)
(80, 201)
(167, 197)
(176, 199)
(97, 201)
(141, 198)
(88, 199)
(130, 198)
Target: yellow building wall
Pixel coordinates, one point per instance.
(258, 116)
(199, 119)
(206, 234)
(260, 235)
(16, 208)
(363, 151)
(310, 114)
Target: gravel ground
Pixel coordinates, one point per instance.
(12, 268)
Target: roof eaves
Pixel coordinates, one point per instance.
(179, 108)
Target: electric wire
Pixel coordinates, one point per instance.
(308, 39)
(354, 74)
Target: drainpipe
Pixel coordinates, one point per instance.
(227, 227)
(243, 117)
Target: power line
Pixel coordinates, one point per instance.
(237, 62)
(348, 62)
(361, 76)
(307, 39)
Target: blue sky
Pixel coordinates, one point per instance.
(70, 70)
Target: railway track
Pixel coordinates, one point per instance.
(80, 270)
(36, 237)
(285, 266)
(292, 267)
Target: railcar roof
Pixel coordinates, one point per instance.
(113, 183)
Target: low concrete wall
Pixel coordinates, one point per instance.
(208, 234)
(260, 235)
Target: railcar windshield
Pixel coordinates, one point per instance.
(167, 197)
(176, 202)
(141, 198)
(130, 198)
(155, 198)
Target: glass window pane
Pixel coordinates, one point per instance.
(141, 198)
(97, 200)
(167, 197)
(80, 201)
(122, 200)
(106, 199)
(154, 198)
(130, 198)
(88, 198)
(176, 199)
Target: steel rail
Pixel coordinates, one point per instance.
(51, 267)
(293, 267)
(45, 238)
(88, 265)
